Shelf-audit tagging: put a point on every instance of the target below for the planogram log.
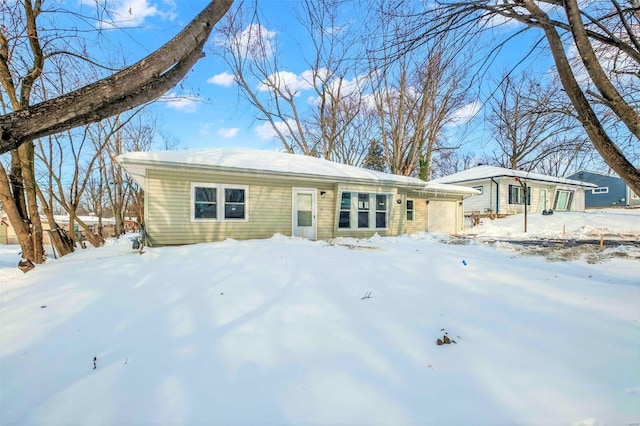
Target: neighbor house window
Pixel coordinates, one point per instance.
(363, 210)
(516, 194)
(409, 210)
(218, 202)
(479, 188)
(563, 200)
(601, 190)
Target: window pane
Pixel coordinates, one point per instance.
(304, 218)
(304, 202)
(233, 211)
(205, 194)
(345, 203)
(409, 214)
(363, 219)
(381, 203)
(344, 220)
(409, 204)
(363, 201)
(206, 211)
(381, 219)
(234, 195)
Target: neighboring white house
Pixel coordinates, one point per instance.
(502, 191)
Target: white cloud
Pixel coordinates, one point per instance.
(224, 79)
(184, 103)
(266, 132)
(133, 13)
(227, 133)
(254, 42)
(465, 114)
(288, 81)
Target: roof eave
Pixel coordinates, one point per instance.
(307, 176)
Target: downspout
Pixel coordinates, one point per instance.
(497, 195)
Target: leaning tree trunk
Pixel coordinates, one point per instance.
(140, 83)
(609, 151)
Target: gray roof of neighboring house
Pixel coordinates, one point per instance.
(271, 163)
(488, 172)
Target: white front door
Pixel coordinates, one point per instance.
(304, 213)
(543, 200)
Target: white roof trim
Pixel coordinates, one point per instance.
(489, 172)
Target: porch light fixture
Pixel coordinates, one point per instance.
(399, 201)
(323, 193)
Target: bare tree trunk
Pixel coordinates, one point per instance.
(592, 125)
(140, 83)
(613, 100)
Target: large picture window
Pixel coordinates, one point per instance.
(218, 202)
(363, 210)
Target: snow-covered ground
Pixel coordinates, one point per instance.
(281, 331)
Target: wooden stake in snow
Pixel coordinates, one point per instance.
(601, 242)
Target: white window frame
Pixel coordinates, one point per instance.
(353, 211)
(220, 202)
(412, 209)
(600, 190)
(634, 196)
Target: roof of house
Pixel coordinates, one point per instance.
(271, 163)
(488, 172)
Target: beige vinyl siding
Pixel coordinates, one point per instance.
(269, 207)
(419, 222)
(325, 217)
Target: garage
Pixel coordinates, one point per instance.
(442, 216)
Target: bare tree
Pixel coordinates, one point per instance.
(416, 96)
(606, 38)
(328, 125)
(532, 122)
(23, 55)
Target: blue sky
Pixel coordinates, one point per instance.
(205, 110)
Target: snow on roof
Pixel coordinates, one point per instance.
(272, 162)
(488, 172)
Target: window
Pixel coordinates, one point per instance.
(381, 211)
(361, 210)
(205, 206)
(208, 204)
(345, 211)
(601, 190)
(409, 210)
(563, 200)
(634, 196)
(516, 194)
(479, 188)
(233, 203)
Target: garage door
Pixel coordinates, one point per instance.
(442, 217)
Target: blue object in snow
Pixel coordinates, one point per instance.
(464, 262)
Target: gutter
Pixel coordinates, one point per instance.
(497, 195)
